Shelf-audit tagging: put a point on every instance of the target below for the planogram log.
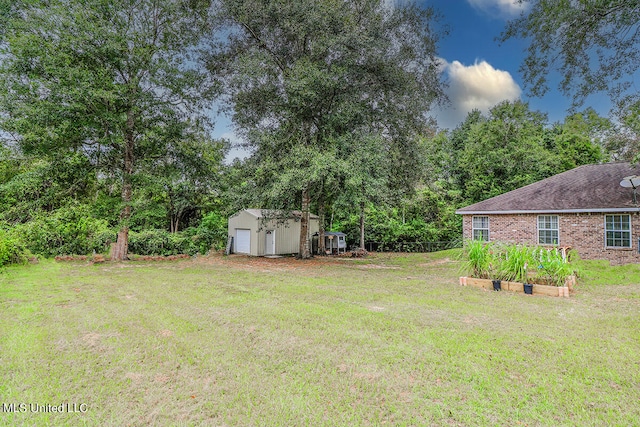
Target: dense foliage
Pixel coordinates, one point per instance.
(11, 250)
(593, 46)
(310, 83)
(65, 207)
(111, 81)
(513, 146)
(105, 125)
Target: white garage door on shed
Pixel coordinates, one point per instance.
(243, 241)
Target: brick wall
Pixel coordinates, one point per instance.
(583, 232)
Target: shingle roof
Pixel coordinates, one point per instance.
(589, 188)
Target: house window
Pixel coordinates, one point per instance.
(548, 233)
(480, 228)
(618, 231)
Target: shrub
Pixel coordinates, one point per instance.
(66, 231)
(161, 242)
(11, 251)
(212, 232)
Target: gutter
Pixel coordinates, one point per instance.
(550, 211)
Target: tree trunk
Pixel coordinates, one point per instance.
(121, 249)
(304, 252)
(321, 247)
(362, 225)
(175, 221)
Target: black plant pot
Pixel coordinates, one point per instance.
(496, 285)
(528, 288)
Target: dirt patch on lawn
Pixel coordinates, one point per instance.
(263, 264)
(374, 261)
(378, 266)
(436, 262)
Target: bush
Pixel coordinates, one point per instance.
(11, 251)
(161, 242)
(212, 232)
(66, 231)
(392, 225)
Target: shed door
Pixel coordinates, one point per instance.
(243, 241)
(270, 242)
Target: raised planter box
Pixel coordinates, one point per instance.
(552, 291)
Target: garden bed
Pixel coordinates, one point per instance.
(552, 291)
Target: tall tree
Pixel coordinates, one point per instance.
(366, 175)
(510, 147)
(504, 152)
(111, 79)
(189, 175)
(302, 74)
(580, 140)
(624, 139)
(593, 44)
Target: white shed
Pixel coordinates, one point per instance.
(260, 232)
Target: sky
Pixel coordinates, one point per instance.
(480, 71)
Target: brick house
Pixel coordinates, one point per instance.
(585, 208)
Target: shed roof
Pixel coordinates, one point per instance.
(334, 233)
(589, 188)
(276, 213)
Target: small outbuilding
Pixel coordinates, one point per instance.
(263, 232)
(335, 242)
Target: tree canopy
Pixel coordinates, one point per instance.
(302, 75)
(593, 44)
(105, 120)
(510, 147)
(109, 79)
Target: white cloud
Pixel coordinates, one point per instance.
(478, 86)
(504, 9)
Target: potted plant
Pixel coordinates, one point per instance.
(496, 270)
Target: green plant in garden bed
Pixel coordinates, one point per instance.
(514, 264)
(479, 258)
(518, 263)
(553, 269)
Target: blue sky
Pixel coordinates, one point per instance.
(480, 72)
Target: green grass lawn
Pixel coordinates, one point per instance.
(390, 340)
